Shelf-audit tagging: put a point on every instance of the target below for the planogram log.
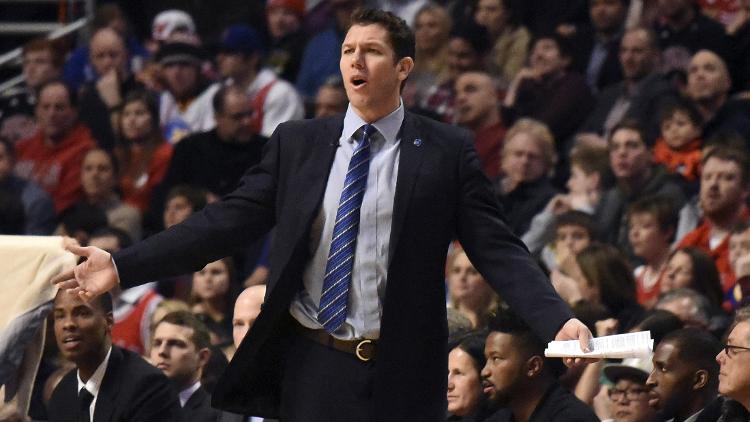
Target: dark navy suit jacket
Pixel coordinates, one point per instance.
(441, 194)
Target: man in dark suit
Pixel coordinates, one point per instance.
(335, 341)
(109, 383)
(180, 347)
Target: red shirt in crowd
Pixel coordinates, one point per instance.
(137, 191)
(56, 168)
(489, 142)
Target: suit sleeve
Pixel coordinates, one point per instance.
(500, 256)
(217, 231)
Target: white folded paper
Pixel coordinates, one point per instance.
(618, 346)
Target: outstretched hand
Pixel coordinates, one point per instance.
(576, 330)
(89, 279)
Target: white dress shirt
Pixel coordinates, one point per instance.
(94, 383)
(372, 254)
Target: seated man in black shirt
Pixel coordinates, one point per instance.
(519, 379)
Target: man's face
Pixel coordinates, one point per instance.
(630, 402)
(281, 21)
(637, 56)
(177, 210)
(475, 99)
(628, 154)
(246, 311)
(504, 369)
(523, 158)
(372, 76)
(607, 16)
(108, 53)
(235, 121)
(54, 113)
(671, 380)
(174, 352)
(81, 329)
(38, 68)
(721, 187)
(329, 102)
(546, 57)
(461, 56)
(739, 245)
(708, 78)
(646, 237)
(181, 79)
(734, 368)
(97, 175)
(429, 31)
(491, 14)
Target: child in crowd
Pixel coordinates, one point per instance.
(573, 231)
(652, 222)
(679, 146)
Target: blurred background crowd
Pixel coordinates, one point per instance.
(615, 134)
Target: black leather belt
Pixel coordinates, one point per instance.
(363, 349)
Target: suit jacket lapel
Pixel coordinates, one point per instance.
(410, 160)
(107, 398)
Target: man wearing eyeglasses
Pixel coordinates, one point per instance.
(684, 380)
(734, 361)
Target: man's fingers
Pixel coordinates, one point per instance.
(84, 251)
(63, 276)
(68, 284)
(584, 336)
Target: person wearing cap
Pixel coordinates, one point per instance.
(167, 25)
(240, 61)
(367, 342)
(185, 105)
(684, 380)
(627, 399)
(287, 38)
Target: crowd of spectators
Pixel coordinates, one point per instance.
(616, 134)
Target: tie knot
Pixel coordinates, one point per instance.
(367, 131)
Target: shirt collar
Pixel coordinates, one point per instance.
(95, 382)
(388, 126)
(188, 392)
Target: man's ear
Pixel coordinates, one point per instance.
(700, 379)
(404, 67)
(534, 366)
(110, 320)
(204, 355)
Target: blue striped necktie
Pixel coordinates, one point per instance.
(335, 293)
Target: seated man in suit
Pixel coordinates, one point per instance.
(109, 383)
(180, 348)
(519, 379)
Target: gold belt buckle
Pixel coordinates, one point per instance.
(358, 351)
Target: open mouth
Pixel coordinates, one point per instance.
(71, 341)
(358, 81)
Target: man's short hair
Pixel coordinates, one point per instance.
(219, 99)
(200, 337)
(699, 348)
(72, 95)
(701, 304)
(736, 155)
(659, 206)
(540, 132)
(475, 35)
(123, 239)
(43, 44)
(507, 322)
(399, 33)
(590, 159)
(635, 126)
